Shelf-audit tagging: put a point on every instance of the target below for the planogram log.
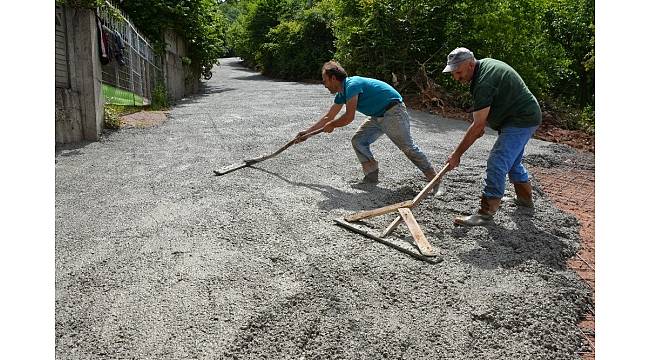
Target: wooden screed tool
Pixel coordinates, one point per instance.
(405, 215)
(249, 162)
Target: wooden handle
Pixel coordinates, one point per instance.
(417, 199)
(285, 147)
(347, 225)
(430, 186)
(310, 134)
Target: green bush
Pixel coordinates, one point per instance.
(384, 37)
(112, 117)
(160, 98)
(252, 27)
(588, 119)
(570, 24)
(296, 49)
(511, 31)
(549, 42)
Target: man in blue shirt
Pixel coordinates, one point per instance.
(387, 113)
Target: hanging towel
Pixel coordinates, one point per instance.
(107, 35)
(119, 48)
(104, 56)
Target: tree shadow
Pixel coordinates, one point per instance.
(236, 65)
(372, 197)
(259, 77)
(206, 89)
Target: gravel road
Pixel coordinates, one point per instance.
(157, 258)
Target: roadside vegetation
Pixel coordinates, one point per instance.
(405, 42)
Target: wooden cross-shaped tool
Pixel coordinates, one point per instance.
(405, 215)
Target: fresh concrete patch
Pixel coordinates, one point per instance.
(157, 258)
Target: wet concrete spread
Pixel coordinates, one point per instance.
(156, 258)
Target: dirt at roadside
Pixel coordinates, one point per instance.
(573, 191)
(143, 119)
(570, 184)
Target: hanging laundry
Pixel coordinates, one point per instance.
(119, 48)
(104, 55)
(107, 35)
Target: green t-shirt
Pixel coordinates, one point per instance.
(498, 85)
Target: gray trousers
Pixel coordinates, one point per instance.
(396, 124)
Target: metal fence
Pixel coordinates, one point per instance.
(141, 70)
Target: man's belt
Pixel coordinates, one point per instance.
(391, 105)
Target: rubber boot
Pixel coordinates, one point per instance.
(371, 172)
(524, 194)
(437, 189)
(483, 216)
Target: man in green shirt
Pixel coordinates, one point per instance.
(502, 101)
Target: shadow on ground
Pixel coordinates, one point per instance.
(351, 201)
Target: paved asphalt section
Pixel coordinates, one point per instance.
(157, 258)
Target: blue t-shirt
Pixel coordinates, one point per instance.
(374, 95)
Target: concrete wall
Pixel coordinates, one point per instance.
(180, 81)
(67, 126)
(80, 105)
(80, 108)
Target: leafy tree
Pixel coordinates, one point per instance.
(570, 23)
(511, 31)
(549, 42)
(384, 37)
(296, 49)
(200, 22)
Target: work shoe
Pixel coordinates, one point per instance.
(524, 194)
(370, 178)
(437, 188)
(371, 172)
(523, 197)
(483, 216)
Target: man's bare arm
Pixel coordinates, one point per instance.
(475, 131)
(328, 117)
(345, 119)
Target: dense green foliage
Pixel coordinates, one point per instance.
(200, 22)
(282, 38)
(549, 42)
